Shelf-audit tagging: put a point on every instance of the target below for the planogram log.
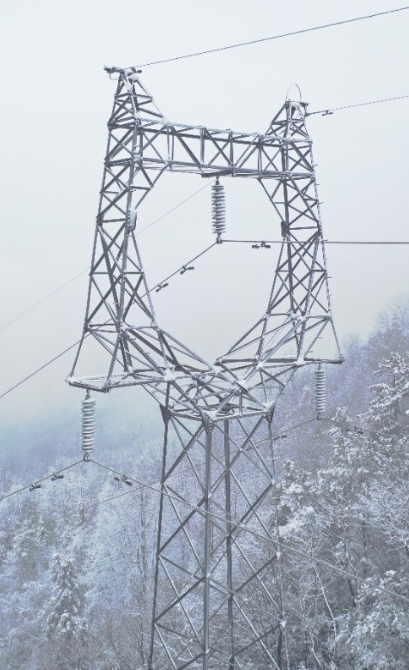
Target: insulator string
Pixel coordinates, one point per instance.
(88, 425)
(218, 209)
(320, 390)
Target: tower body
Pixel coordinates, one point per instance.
(219, 600)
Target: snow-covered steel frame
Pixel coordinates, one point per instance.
(219, 600)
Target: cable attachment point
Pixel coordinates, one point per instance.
(262, 245)
(123, 478)
(33, 487)
(186, 268)
(327, 113)
(320, 390)
(161, 286)
(88, 425)
(56, 476)
(218, 210)
(354, 429)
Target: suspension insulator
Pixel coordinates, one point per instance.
(218, 209)
(88, 424)
(320, 391)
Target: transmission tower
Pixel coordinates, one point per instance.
(219, 598)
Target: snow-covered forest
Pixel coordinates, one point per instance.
(77, 554)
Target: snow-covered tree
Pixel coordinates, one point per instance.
(376, 631)
(65, 626)
(66, 605)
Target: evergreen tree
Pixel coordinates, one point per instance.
(65, 624)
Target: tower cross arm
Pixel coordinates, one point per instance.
(208, 151)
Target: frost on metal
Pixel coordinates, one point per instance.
(217, 414)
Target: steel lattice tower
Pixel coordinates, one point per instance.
(219, 558)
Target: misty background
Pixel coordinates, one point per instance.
(56, 103)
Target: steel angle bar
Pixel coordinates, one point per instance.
(176, 602)
(186, 147)
(102, 232)
(137, 341)
(315, 265)
(184, 454)
(141, 338)
(242, 450)
(195, 510)
(315, 338)
(101, 303)
(307, 212)
(172, 631)
(253, 642)
(296, 251)
(252, 507)
(149, 138)
(165, 647)
(193, 660)
(253, 445)
(179, 597)
(176, 497)
(297, 214)
(180, 567)
(256, 575)
(258, 638)
(186, 349)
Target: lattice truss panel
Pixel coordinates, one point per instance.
(120, 315)
(218, 600)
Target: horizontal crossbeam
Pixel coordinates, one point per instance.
(207, 151)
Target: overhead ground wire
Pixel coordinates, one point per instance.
(274, 37)
(330, 110)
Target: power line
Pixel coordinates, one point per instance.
(357, 242)
(39, 302)
(251, 531)
(181, 270)
(22, 381)
(274, 37)
(283, 432)
(366, 242)
(236, 523)
(322, 111)
(16, 318)
(331, 110)
(164, 282)
(57, 474)
(173, 209)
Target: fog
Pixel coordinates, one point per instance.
(56, 102)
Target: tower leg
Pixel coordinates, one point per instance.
(219, 583)
(229, 540)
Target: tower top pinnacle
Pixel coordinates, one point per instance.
(128, 72)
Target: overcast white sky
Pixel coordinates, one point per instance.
(57, 100)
